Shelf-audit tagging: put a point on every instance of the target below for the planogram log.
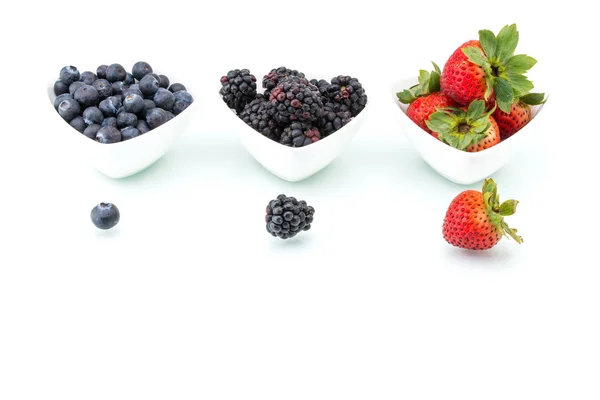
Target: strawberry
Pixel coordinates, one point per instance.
(475, 220)
(519, 115)
(470, 130)
(481, 68)
(425, 98)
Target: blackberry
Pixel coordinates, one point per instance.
(238, 89)
(259, 114)
(349, 92)
(294, 100)
(286, 216)
(300, 134)
(334, 116)
(273, 78)
(321, 85)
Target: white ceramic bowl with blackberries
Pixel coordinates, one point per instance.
(120, 118)
(294, 124)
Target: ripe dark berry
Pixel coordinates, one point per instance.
(164, 99)
(148, 105)
(238, 88)
(93, 115)
(271, 80)
(115, 72)
(140, 69)
(287, 216)
(333, 118)
(176, 87)
(149, 85)
(108, 134)
(69, 109)
(156, 117)
(60, 88)
(101, 71)
(142, 126)
(103, 87)
(164, 81)
(74, 86)
(133, 103)
(112, 121)
(105, 215)
(60, 98)
(260, 115)
(118, 87)
(182, 101)
(300, 134)
(133, 89)
(349, 92)
(87, 95)
(88, 77)
(78, 123)
(91, 131)
(129, 80)
(129, 133)
(110, 106)
(69, 74)
(125, 119)
(295, 100)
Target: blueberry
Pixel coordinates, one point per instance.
(156, 117)
(69, 74)
(129, 80)
(130, 133)
(69, 109)
(74, 86)
(108, 134)
(110, 106)
(118, 87)
(78, 123)
(87, 95)
(125, 119)
(115, 72)
(148, 105)
(140, 69)
(92, 115)
(88, 77)
(164, 81)
(176, 87)
(182, 101)
(133, 89)
(101, 71)
(105, 215)
(60, 88)
(91, 131)
(183, 95)
(148, 85)
(112, 121)
(103, 87)
(164, 99)
(60, 98)
(142, 126)
(133, 103)
(170, 115)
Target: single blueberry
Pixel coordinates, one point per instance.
(176, 87)
(170, 115)
(105, 215)
(133, 103)
(74, 86)
(149, 85)
(179, 106)
(69, 109)
(129, 80)
(60, 98)
(101, 71)
(60, 88)
(134, 89)
(87, 95)
(129, 133)
(91, 131)
(182, 101)
(142, 126)
(78, 123)
(148, 105)
(110, 106)
(88, 77)
(93, 115)
(164, 99)
(108, 134)
(112, 121)
(164, 81)
(140, 69)
(115, 72)
(69, 74)
(184, 96)
(125, 119)
(156, 117)
(118, 87)
(156, 76)
(103, 87)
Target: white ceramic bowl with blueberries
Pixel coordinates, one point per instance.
(456, 165)
(120, 120)
(302, 155)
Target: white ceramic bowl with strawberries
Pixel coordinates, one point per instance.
(456, 165)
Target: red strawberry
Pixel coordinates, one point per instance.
(470, 130)
(481, 68)
(425, 98)
(475, 220)
(519, 115)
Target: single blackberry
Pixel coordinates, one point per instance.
(300, 134)
(259, 114)
(321, 86)
(294, 100)
(286, 216)
(334, 116)
(349, 92)
(238, 89)
(272, 79)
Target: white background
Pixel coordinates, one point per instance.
(189, 297)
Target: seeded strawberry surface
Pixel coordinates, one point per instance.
(492, 138)
(511, 123)
(420, 109)
(462, 80)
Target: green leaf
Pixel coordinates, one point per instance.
(507, 41)
(487, 39)
(436, 68)
(406, 97)
(519, 83)
(520, 64)
(475, 56)
(533, 99)
(476, 110)
(504, 94)
(509, 232)
(509, 207)
(434, 82)
(481, 128)
(441, 122)
(423, 79)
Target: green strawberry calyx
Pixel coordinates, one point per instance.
(498, 211)
(460, 128)
(503, 69)
(533, 99)
(429, 82)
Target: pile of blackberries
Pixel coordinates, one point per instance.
(113, 105)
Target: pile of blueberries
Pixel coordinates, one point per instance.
(114, 105)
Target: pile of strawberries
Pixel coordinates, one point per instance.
(480, 98)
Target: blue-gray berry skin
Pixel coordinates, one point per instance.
(91, 131)
(129, 133)
(69, 74)
(170, 115)
(176, 87)
(156, 117)
(133, 89)
(103, 87)
(88, 77)
(105, 216)
(110, 106)
(87, 95)
(69, 109)
(101, 71)
(164, 81)
(112, 121)
(60, 98)
(93, 115)
(182, 101)
(108, 134)
(142, 126)
(133, 103)
(118, 87)
(140, 69)
(125, 119)
(148, 105)
(129, 79)
(115, 72)
(164, 99)
(78, 123)
(74, 86)
(60, 88)
(149, 85)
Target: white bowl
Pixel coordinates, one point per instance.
(289, 163)
(122, 159)
(453, 164)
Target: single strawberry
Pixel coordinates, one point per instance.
(469, 130)
(519, 115)
(481, 68)
(475, 220)
(425, 98)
